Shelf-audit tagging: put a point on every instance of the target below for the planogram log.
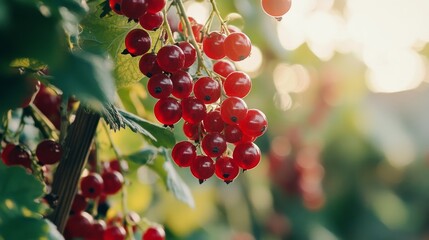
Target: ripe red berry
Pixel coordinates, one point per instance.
(247, 155)
(48, 102)
(137, 42)
(114, 232)
(213, 122)
(154, 6)
(78, 225)
(148, 65)
(276, 8)
(182, 84)
(213, 45)
(226, 169)
(202, 167)
(31, 89)
(193, 110)
(48, 152)
(151, 21)
(118, 165)
(96, 230)
(134, 8)
(184, 153)
(254, 124)
(237, 46)
(191, 20)
(168, 111)
(170, 58)
(237, 84)
(207, 90)
(190, 53)
(233, 110)
(154, 233)
(112, 182)
(223, 68)
(16, 155)
(232, 133)
(115, 5)
(160, 86)
(79, 204)
(191, 130)
(5, 153)
(213, 144)
(91, 185)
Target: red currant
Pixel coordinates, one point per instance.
(207, 90)
(191, 20)
(184, 153)
(190, 53)
(232, 133)
(237, 46)
(223, 68)
(78, 225)
(151, 21)
(191, 130)
(182, 84)
(48, 152)
(213, 144)
(247, 155)
(154, 233)
(137, 42)
(276, 8)
(154, 6)
(114, 232)
(79, 204)
(226, 169)
(170, 58)
(168, 111)
(148, 65)
(48, 102)
(202, 167)
(118, 165)
(213, 122)
(16, 155)
(254, 124)
(160, 86)
(32, 87)
(115, 5)
(134, 8)
(96, 230)
(213, 45)
(237, 84)
(91, 185)
(5, 153)
(193, 110)
(233, 110)
(112, 182)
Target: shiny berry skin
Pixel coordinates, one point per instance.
(276, 8)
(237, 84)
(79, 204)
(213, 122)
(170, 58)
(48, 102)
(183, 153)
(202, 167)
(137, 42)
(154, 6)
(112, 182)
(114, 232)
(191, 130)
(148, 65)
(237, 46)
(193, 110)
(247, 155)
(91, 185)
(223, 68)
(96, 230)
(160, 86)
(233, 110)
(213, 45)
(207, 90)
(168, 111)
(134, 8)
(213, 144)
(226, 169)
(118, 165)
(182, 84)
(190, 53)
(196, 28)
(5, 153)
(154, 233)
(115, 5)
(245, 138)
(254, 124)
(78, 225)
(48, 152)
(151, 21)
(16, 155)
(232, 133)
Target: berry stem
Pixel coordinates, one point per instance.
(42, 122)
(216, 11)
(167, 27)
(64, 119)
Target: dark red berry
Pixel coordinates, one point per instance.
(133, 9)
(78, 225)
(115, 5)
(202, 167)
(118, 165)
(154, 233)
(182, 84)
(254, 124)
(112, 182)
(168, 111)
(48, 152)
(5, 153)
(207, 90)
(137, 42)
(151, 21)
(16, 155)
(237, 84)
(226, 169)
(91, 185)
(213, 122)
(160, 86)
(247, 155)
(170, 58)
(213, 45)
(233, 110)
(193, 110)
(213, 144)
(184, 153)
(114, 232)
(154, 6)
(48, 102)
(190, 53)
(148, 65)
(232, 133)
(79, 204)
(223, 68)
(96, 231)
(191, 130)
(237, 46)
(30, 91)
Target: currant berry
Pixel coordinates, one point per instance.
(237, 84)
(213, 45)
(91, 185)
(213, 144)
(96, 230)
(226, 169)
(133, 9)
(170, 58)
(233, 110)
(31, 89)
(112, 182)
(18, 155)
(114, 232)
(48, 102)
(197, 30)
(148, 65)
(79, 204)
(160, 86)
(247, 155)
(154, 6)
(213, 122)
(237, 46)
(168, 111)
(276, 8)
(151, 21)
(182, 84)
(191, 130)
(202, 167)
(223, 68)
(48, 152)
(115, 5)
(190, 53)
(5, 153)
(78, 225)
(137, 42)
(245, 138)
(184, 153)
(154, 233)
(207, 90)
(193, 110)
(232, 133)
(118, 165)
(254, 124)
(191, 20)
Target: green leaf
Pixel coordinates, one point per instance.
(22, 227)
(144, 156)
(28, 63)
(87, 76)
(164, 137)
(108, 33)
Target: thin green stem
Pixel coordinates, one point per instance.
(216, 11)
(167, 28)
(64, 119)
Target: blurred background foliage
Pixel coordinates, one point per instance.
(344, 84)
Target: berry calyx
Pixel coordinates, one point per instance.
(202, 167)
(226, 169)
(48, 152)
(115, 5)
(160, 86)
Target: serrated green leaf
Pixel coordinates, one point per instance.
(164, 137)
(144, 156)
(22, 227)
(108, 33)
